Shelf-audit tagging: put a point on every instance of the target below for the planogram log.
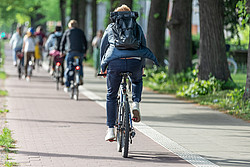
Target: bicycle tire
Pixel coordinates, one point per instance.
(76, 94)
(125, 137)
(232, 65)
(19, 70)
(57, 78)
(118, 129)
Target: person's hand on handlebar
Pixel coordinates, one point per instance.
(105, 72)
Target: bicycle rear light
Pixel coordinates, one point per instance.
(58, 64)
(77, 67)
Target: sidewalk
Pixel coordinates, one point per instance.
(53, 130)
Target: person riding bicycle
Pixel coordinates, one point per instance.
(16, 43)
(118, 54)
(40, 35)
(53, 46)
(76, 46)
(29, 43)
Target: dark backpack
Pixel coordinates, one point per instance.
(125, 30)
(58, 41)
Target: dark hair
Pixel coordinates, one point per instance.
(58, 28)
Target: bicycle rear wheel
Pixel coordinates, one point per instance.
(119, 127)
(125, 132)
(57, 78)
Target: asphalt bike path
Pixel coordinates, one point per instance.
(53, 130)
(50, 129)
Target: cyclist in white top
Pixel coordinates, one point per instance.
(16, 43)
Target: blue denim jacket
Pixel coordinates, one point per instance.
(109, 52)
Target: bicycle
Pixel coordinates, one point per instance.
(232, 65)
(58, 62)
(20, 67)
(76, 79)
(124, 127)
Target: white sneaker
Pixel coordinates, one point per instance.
(110, 134)
(14, 63)
(136, 112)
(28, 79)
(66, 89)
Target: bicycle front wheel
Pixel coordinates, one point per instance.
(125, 132)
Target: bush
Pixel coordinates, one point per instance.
(200, 87)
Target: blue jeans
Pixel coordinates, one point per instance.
(115, 67)
(70, 67)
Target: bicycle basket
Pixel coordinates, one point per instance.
(19, 55)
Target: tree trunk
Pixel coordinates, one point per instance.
(81, 14)
(246, 95)
(74, 10)
(156, 28)
(180, 58)
(212, 52)
(63, 11)
(94, 18)
(129, 3)
(113, 5)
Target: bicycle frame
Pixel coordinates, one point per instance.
(125, 130)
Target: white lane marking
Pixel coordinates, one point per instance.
(159, 138)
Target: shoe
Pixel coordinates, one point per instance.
(14, 63)
(136, 112)
(110, 134)
(66, 89)
(28, 79)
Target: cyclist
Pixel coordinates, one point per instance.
(76, 46)
(53, 46)
(16, 43)
(40, 35)
(120, 57)
(29, 43)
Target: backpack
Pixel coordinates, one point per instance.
(40, 39)
(57, 43)
(125, 30)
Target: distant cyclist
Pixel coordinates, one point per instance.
(123, 49)
(53, 46)
(40, 35)
(73, 43)
(16, 43)
(29, 43)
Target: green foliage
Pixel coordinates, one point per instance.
(4, 111)
(6, 140)
(159, 79)
(10, 164)
(200, 87)
(242, 12)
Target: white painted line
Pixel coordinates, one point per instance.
(159, 138)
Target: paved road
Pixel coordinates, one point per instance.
(52, 130)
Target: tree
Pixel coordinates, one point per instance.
(246, 95)
(156, 28)
(63, 15)
(129, 3)
(82, 14)
(94, 18)
(180, 42)
(113, 5)
(212, 52)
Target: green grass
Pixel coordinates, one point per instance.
(6, 140)
(3, 93)
(10, 164)
(4, 110)
(2, 75)
(239, 79)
